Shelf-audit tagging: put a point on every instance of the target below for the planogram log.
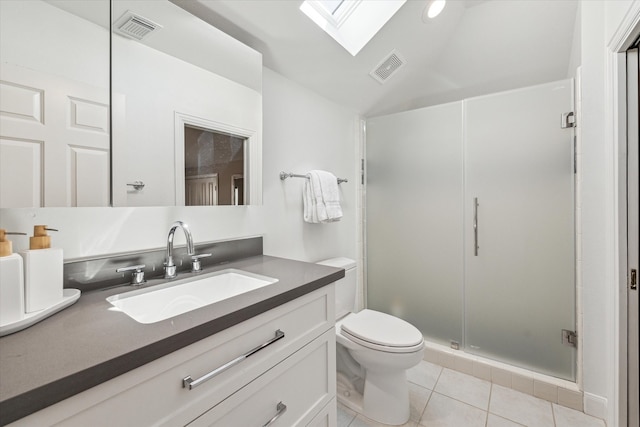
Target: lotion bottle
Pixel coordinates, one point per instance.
(11, 281)
(43, 267)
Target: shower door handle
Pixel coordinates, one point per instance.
(475, 226)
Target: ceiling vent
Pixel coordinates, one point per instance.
(135, 26)
(388, 67)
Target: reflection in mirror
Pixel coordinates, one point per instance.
(54, 103)
(187, 110)
(214, 168)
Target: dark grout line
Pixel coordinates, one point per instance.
(486, 423)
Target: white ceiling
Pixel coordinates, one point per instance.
(474, 47)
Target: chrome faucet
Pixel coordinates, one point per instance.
(169, 266)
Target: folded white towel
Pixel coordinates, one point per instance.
(321, 197)
(310, 212)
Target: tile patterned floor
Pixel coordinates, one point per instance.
(441, 397)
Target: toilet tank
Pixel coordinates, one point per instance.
(345, 287)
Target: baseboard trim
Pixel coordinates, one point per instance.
(595, 405)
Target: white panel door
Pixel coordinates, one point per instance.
(20, 173)
(519, 284)
(67, 124)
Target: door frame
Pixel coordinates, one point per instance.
(633, 124)
(624, 37)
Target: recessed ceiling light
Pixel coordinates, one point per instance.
(433, 9)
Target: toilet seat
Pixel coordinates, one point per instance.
(383, 332)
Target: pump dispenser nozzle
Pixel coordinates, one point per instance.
(6, 247)
(40, 239)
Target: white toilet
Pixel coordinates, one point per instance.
(374, 352)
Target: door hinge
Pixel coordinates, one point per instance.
(362, 171)
(633, 279)
(568, 120)
(569, 338)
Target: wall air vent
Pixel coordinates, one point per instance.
(134, 26)
(388, 67)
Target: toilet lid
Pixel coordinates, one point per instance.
(382, 330)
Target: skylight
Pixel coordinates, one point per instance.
(352, 23)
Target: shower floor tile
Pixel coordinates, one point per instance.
(446, 398)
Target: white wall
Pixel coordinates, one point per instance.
(595, 266)
(302, 131)
(614, 14)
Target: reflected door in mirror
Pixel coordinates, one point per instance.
(213, 161)
(54, 146)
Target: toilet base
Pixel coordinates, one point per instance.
(386, 397)
(348, 396)
(388, 404)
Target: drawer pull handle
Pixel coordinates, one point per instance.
(281, 409)
(190, 383)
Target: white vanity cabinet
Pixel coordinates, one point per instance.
(296, 372)
(291, 393)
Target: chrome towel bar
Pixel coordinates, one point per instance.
(285, 175)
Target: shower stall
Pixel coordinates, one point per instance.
(470, 230)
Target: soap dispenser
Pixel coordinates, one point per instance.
(43, 268)
(11, 281)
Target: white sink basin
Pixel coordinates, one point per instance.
(170, 299)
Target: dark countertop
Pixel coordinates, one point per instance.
(88, 344)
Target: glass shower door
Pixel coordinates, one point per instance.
(414, 218)
(519, 228)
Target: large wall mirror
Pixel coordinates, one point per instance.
(187, 110)
(184, 109)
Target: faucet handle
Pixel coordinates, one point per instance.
(137, 277)
(195, 262)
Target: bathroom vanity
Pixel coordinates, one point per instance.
(93, 365)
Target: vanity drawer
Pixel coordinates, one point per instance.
(328, 416)
(153, 394)
(292, 393)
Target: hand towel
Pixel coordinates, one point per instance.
(321, 197)
(310, 213)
